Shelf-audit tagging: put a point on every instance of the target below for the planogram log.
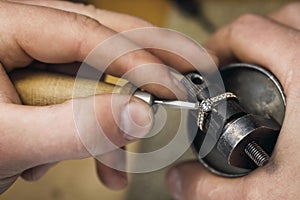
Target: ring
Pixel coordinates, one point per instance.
(207, 105)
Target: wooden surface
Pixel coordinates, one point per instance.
(41, 88)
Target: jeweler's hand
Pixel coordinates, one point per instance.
(272, 42)
(33, 138)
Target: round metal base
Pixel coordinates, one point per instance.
(259, 93)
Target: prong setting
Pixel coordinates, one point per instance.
(206, 106)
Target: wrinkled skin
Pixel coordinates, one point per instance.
(60, 35)
(271, 41)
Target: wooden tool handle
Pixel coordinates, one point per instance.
(40, 88)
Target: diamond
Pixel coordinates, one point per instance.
(205, 106)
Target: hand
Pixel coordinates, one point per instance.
(272, 42)
(54, 32)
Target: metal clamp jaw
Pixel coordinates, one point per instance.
(245, 132)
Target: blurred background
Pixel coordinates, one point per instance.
(77, 180)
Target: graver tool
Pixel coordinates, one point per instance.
(237, 128)
(40, 88)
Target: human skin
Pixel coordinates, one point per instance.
(60, 34)
(271, 41)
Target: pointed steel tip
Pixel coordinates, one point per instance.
(178, 104)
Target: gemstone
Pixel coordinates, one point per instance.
(205, 106)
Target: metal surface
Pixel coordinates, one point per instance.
(250, 127)
(258, 90)
(148, 98)
(145, 96)
(257, 154)
(239, 133)
(207, 105)
(178, 104)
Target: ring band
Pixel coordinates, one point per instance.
(207, 105)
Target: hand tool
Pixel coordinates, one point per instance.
(237, 138)
(230, 141)
(41, 88)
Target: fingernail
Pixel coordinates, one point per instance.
(123, 179)
(174, 184)
(136, 120)
(118, 181)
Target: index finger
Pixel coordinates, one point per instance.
(56, 36)
(120, 22)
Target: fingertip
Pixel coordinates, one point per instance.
(188, 180)
(28, 175)
(117, 181)
(174, 183)
(111, 178)
(136, 119)
(34, 174)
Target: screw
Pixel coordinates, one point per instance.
(257, 154)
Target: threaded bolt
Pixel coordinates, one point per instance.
(257, 154)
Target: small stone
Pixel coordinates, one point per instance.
(205, 106)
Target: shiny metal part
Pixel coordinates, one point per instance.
(236, 137)
(145, 96)
(208, 104)
(244, 137)
(257, 154)
(258, 90)
(148, 98)
(178, 104)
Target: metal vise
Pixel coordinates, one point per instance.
(239, 134)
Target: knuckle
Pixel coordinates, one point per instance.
(83, 22)
(81, 25)
(246, 26)
(246, 19)
(291, 7)
(243, 24)
(88, 9)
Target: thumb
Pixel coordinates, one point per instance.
(190, 181)
(37, 135)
